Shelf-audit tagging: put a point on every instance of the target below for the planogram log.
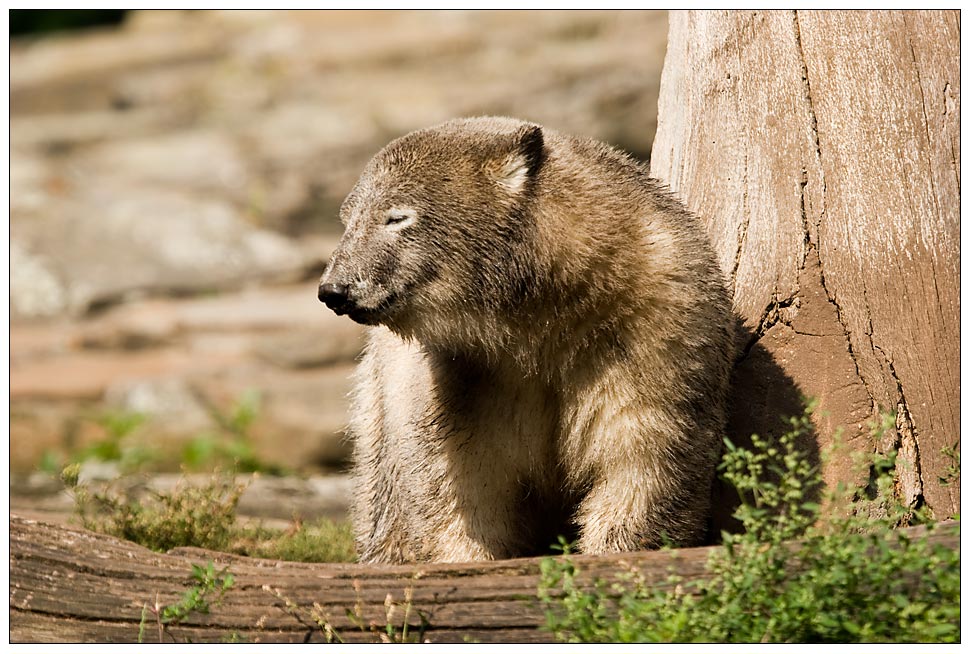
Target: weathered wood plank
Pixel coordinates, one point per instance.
(43, 628)
(71, 585)
(68, 584)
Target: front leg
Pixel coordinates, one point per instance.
(475, 506)
(440, 458)
(649, 474)
(613, 516)
(488, 427)
(630, 509)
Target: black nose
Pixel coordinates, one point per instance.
(334, 296)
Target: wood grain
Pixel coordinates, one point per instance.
(822, 151)
(72, 585)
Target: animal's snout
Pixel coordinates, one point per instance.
(335, 296)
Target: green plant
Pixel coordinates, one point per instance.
(203, 516)
(317, 617)
(208, 590)
(115, 444)
(392, 633)
(229, 445)
(50, 462)
(953, 471)
(233, 444)
(312, 618)
(796, 574)
(200, 516)
(319, 541)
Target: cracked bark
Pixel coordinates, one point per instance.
(821, 149)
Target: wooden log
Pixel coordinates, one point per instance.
(69, 584)
(72, 585)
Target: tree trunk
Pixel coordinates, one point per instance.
(822, 151)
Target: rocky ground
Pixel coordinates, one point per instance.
(174, 186)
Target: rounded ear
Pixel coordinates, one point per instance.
(524, 160)
(529, 139)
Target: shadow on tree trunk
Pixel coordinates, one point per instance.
(761, 400)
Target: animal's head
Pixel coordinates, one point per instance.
(437, 225)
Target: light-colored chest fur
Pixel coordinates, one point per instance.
(484, 422)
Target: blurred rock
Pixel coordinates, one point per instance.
(256, 309)
(167, 403)
(294, 133)
(112, 242)
(285, 498)
(203, 161)
(93, 470)
(159, 321)
(77, 69)
(272, 500)
(43, 425)
(177, 360)
(29, 178)
(34, 340)
(175, 185)
(303, 348)
(302, 414)
(58, 133)
(87, 375)
(314, 93)
(35, 287)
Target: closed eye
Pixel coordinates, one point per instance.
(400, 218)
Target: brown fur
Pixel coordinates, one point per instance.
(550, 354)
